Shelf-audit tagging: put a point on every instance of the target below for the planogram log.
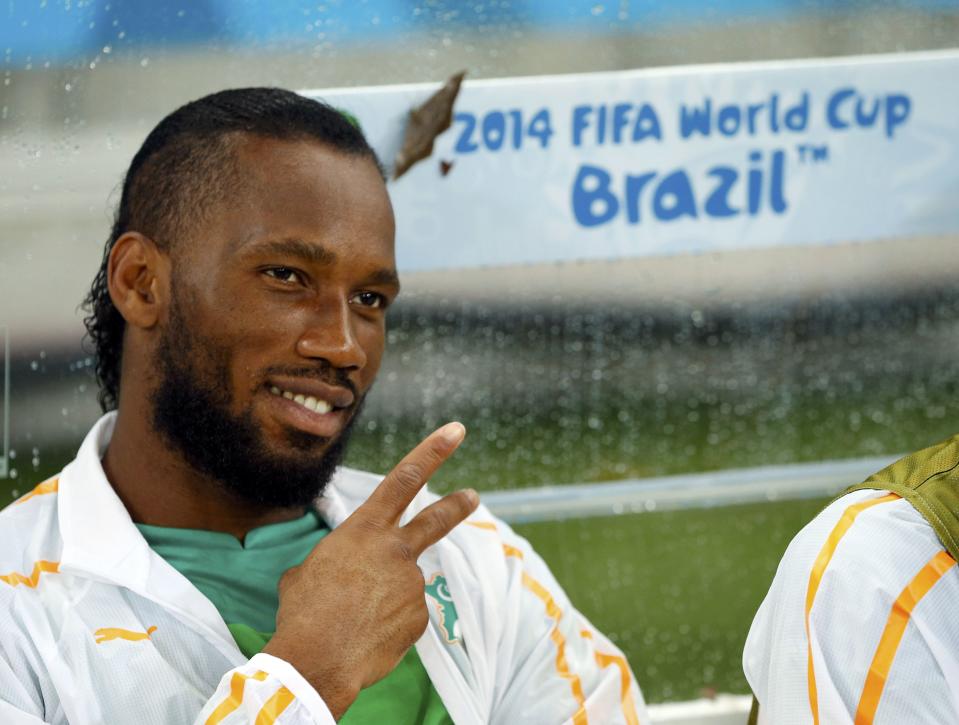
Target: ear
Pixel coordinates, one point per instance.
(138, 277)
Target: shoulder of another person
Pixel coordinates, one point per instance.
(855, 520)
(866, 541)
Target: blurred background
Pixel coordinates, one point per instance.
(707, 363)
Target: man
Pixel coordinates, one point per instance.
(860, 623)
(239, 321)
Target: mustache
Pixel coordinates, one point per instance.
(324, 373)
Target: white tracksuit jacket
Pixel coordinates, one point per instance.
(97, 628)
(860, 624)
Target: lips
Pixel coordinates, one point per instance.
(307, 401)
(336, 396)
(310, 405)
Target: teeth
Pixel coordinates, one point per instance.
(317, 406)
(307, 401)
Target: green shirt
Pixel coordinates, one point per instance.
(241, 580)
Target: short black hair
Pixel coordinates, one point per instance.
(185, 167)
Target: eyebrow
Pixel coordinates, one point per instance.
(385, 277)
(293, 247)
(317, 254)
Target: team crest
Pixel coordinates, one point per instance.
(439, 591)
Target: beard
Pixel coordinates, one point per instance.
(193, 412)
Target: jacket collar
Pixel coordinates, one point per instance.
(100, 541)
(99, 538)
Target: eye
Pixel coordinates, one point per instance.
(373, 300)
(284, 274)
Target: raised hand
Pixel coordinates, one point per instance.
(353, 608)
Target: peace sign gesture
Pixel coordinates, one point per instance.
(353, 608)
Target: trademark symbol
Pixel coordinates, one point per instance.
(810, 154)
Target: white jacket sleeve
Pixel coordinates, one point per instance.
(872, 587)
(20, 699)
(16, 706)
(11, 715)
(560, 669)
(265, 690)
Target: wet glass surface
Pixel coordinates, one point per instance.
(554, 387)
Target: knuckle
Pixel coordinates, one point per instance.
(439, 520)
(369, 526)
(409, 475)
(437, 453)
(404, 551)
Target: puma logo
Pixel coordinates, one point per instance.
(107, 634)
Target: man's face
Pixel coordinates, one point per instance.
(277, 322)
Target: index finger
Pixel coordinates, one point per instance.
(395, 492)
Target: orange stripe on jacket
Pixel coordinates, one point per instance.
(554, 613)
(625, 680)
(235, 698)
(815, 577)
(274, 707)
(562, 666)
(50, 486)
(512, 551)
(16, 579)
(892, 634)
(488, 525)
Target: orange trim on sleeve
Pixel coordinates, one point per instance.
(274, 707)
(16, 579)
(815, 577)
(512, 551)
(625, 682)
(553, 612)
(562, 666)
(893, 632)
(488, 525)
(50, 486)
(235, 698)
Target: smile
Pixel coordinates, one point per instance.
(307, 401)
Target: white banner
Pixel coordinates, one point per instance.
(670, 161)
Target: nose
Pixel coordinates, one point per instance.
(330, 336)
